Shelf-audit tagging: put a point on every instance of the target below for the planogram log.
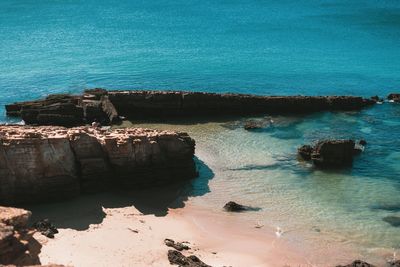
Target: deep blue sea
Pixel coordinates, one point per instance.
(262, 47)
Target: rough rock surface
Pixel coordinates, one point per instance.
(329, 153)
(67, 110)
(394, 97)
(43, 163)
(176, 245)
(14, 238)
(177, 258)
(357, 263)
(106, 106)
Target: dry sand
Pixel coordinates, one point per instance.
(128, 229)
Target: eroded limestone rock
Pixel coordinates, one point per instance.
(42, 163)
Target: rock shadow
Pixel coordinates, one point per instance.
(84, 210)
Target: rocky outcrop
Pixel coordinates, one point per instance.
(177, 258)
(106, 106)
(329, 153)
(42, 163)
(18, 247)
(15, 238)
(357, 263)
(394, 97)
(67, 110)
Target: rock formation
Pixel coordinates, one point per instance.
(329, 153)
(357, 263)
(15, 238)
(177, 258)
(394, 97)
(106, 106)
(234, 207)
(18, 247)
(42, 163)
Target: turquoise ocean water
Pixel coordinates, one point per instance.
(261, 47)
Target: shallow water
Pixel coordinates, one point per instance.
(317, 210)
(262, 47)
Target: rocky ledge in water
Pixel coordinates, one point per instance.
(107, 106)
(394, 97)
(331, 153)
(42, 163)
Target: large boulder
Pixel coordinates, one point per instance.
(329, 153)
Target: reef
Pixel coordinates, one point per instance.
(48, 162)
(108, 107)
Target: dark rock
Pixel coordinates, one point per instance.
(392, 220)
(176, 245)
(357, 263)
(329, 153)
(253, 125)
(67, 110)
(394, 263)
(177, 258)
(362, 142)
(394, 97)
(305, 152)
(234, 207)
(46, 228)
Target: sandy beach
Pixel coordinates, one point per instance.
(113, 235)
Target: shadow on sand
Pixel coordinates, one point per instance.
(84, 210)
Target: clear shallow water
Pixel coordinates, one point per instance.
(260, 47)
(319, 211)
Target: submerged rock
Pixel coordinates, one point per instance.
(45, 163)
(176, 245)
(253, 125)
(357, 263)
(234, 207)
(330, 153)
(177, 258)
(392, 220)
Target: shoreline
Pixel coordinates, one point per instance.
(130, 238)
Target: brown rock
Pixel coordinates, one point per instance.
(177, 258)
(329, 153)
(105, 106)
(43, 163)
(357, 263)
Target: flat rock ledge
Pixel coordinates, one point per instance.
(44, 163)
(107, 107)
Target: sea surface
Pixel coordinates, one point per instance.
(260, 47)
